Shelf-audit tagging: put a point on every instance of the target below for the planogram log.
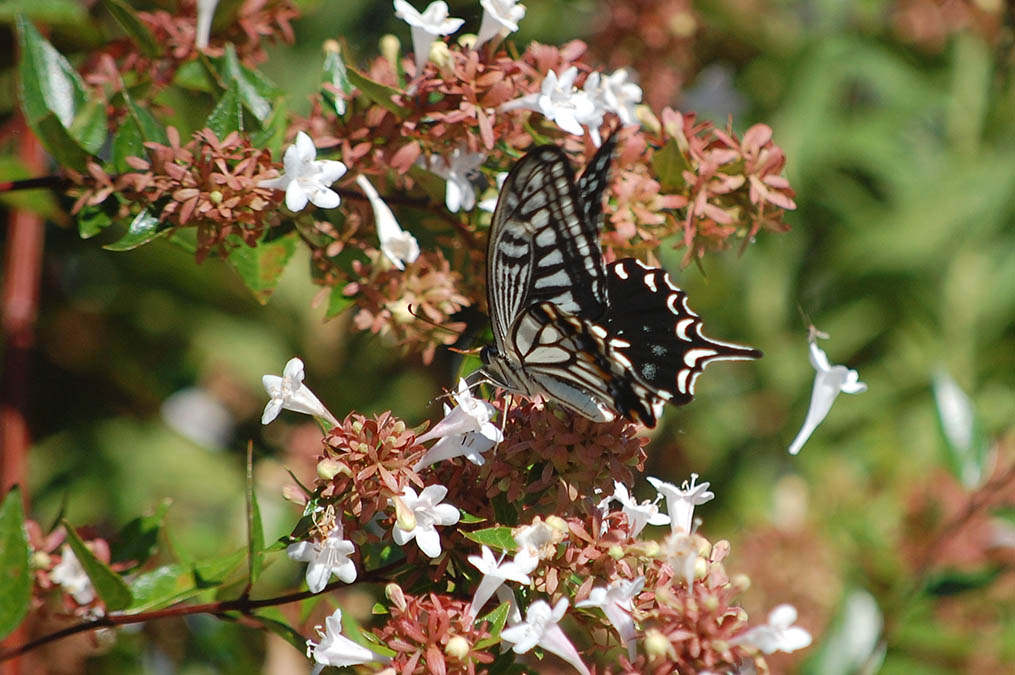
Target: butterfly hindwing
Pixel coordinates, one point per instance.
(667, 349)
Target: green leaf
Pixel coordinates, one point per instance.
(127, 142)
(272, 619)
(380, 94)
(853, 640)
(255, 531)
(334, 73)
(92, 220)
(162, 586)
(151, 129)
(89, 126)
(253, 88)
(143, 229)
(967, 447)
(109, 585)
(338, 302)
(272, 133)
(261, 266)
(498, 537)
(376, 555)
(227, 116)
(138, 539)
(953, 582)
(669, 164)
(52, 95)
(497, 618)
(469, 519)
(132, 26)
(15, 557)
(214, 571)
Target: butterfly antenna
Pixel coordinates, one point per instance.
(412, 310)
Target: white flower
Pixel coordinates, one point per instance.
(638, 515)
(426, 27)
(325, 558)
(828, 382)
(490, 204)
(500, 17)
(455, 170)
(419, 515)
(465, 431)
(290, 393)
(681, 553)
(620, 96)
(616, 602)
(778, 635)
(205, 13)
(559, 101)
(496, 572)
(680, 501)
(306, 178)
(540, 628)
(337, 650)
(72, 577)
(397, 245)
(542, 536)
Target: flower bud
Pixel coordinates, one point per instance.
(616, 552)
(328, 468)
(332, 46)
(215, 197)
(740, 583)
(657, 646)
(393, 592)
(557, 524)
(40, 560)
(390, 49)
(440, 54)
(457, 648)
(292, 493)
(651, 548)
(700, 568)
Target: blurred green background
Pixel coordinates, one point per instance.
(898, 121)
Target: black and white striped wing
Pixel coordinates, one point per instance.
(544, 240)
(656, 337)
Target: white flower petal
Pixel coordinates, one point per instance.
(829, 380)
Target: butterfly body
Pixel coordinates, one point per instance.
(599, 340)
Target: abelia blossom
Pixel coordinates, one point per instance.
(496, 572)
(426, 26)
(306, 178)
(540, 629)
(335, 649)
(290, 393)
(778, 635)
(417, 516)
(559, 101)
(616, 602)
(500, 17)
(71, 576)
(829, 380)
(680, 501)
(465, 431)
(457, 169)
(325, 558)
(397, 245)
(638, 514)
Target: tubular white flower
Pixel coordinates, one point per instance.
(466, 431)
(71, 576)
(616, 602)
(829, 380)
(306, 178)
(325, 558)
(778, 635)
(426, 26)
(397, 245)
(559, 101)
(496, 572)
(681, 552)
(290, 393)
(680, 501)
(337, 650)
(205, 14)
(500, 17)
(540, 628)
(620, 96)
(455, 170)
(638, 514)
(427, 512)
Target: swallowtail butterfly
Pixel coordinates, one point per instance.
(599, 340)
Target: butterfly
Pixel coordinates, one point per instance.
(599, 340)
